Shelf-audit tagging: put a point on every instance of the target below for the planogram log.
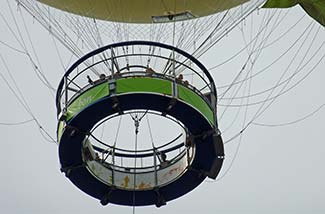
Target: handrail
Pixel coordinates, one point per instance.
(130, 43)
(139, 74)
(139, 155)
(140, 151)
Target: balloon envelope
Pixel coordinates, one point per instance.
(143, 11)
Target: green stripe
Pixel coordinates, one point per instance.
(144, 84)
(87, 98)
(60, 130)
(140, 84)
(196, 101)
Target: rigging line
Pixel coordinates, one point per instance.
(19, 96)
(258, 114)
(256, 44)
(256, 37)
(231, 162)
(206, 39)
(22, 43)
(23, 102)
(98, 35)
(286, 32)
(249, 72)
(212, 32)
(210, 36)
(192, 37)
(234, 80)
(84, 30)
(86, 35)
(136, 125)
(198, 53)
(92, 32)
(294, 74)
(234, 119)
(15, 36)
(102, 132)
(53, 27)
(256, 41)
(240, 139)
(64, 38)
(114, 59)
(38, 68)
(291, 122)
(261, 111)
(234, 157)
(115, 140)
(30, 41)
(40, 18)
(247, 99)
(253, 62)
(118, 131)
(58, 53)
(236, 93)
(12, 48)
(16, 123)
(249, 59)
(279, 94)
(150, 133)
(45, 134)
(283, 91)
(11, 30)
(79, 31)
(274, 61)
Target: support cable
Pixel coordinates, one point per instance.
(136, 126)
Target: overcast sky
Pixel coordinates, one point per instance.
(277, 169)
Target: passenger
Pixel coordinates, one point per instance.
(97, 158)
(179, 79)
(102, 76)
(90, 81)
(163, 160)
(117, 74)
(189, 141)
(150, 71)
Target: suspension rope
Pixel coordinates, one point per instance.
(150, 133)
(115, 141)
(136, 126)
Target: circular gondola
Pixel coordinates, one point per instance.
(128, 85)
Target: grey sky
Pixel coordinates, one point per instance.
(277, 169)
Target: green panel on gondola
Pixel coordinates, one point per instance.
(60, 130)
(196, 101)
(144, 84)
(87, 98)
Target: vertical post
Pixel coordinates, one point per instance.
(213, 100)
(187, 154)
(113, 167)
(155, 166)
(188, 146)
(65, 109)
(174, 86)
(112, 61)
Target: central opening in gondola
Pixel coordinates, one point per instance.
(136, 139)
